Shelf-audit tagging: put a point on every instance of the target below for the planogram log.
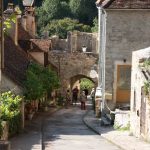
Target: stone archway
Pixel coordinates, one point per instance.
(76, 78)
(72, 65)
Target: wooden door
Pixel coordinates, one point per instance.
(123, 83)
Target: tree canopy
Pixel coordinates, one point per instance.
(62, 26)
(54, 13)
(84, 10)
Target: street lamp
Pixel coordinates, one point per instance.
(28, 3)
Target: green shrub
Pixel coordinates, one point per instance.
(86, 84)
(10, 111)
(40, 82)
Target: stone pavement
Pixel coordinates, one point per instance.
(31, 138)
(120, 138)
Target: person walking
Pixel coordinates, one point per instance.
(83, 99)
(75, 92)
(86, 91)
(68, 99)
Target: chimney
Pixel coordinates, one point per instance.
(28, 20)
(13, 30)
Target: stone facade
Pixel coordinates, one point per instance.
(140, 103)
(72, 66)
(74, 42)
(127, 30)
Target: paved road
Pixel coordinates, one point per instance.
(66, 131)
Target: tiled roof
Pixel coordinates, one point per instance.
(43, 44)
(27, 42)
(125, 4)
(15, 61)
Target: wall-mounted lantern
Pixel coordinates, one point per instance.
(84, 49)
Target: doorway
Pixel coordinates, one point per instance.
(123, 85)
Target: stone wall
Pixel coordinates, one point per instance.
(127, 30)
(72, 66)
(75, 41)
(122, 119)
(140, 106)
(79, 39)
(59, 44)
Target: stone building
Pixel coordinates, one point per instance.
(14, 60)
(140, 99)
(20, 48)
(71, 63)
(75, 41)
(127, 27)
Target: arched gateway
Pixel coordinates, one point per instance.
(72, 67)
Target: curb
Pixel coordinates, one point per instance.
(97, 132)
(86, 123)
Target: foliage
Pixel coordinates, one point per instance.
(60, 100)
(50, 10)
(84, 10)
(62, 26)
(120, 128)
(147, 87)
(40, 80)
(33, 86)
(49, 79)
(146, 63)
(10, 110)
(86, 84)
(8, 21)
(95, 25)
(52, 13)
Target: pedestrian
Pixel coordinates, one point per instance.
(83, 99)
(86, 91)
(75, 92)
(67, 98)
(93, 98)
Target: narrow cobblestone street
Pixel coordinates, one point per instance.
(62, 130)
(65, 130)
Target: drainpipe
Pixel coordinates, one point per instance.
(101, 50)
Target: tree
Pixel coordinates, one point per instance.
(95, 25)
(62, 26)
(40, 81)
(84, 10)
(33, 85)
(52, 8)
(86, 84)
